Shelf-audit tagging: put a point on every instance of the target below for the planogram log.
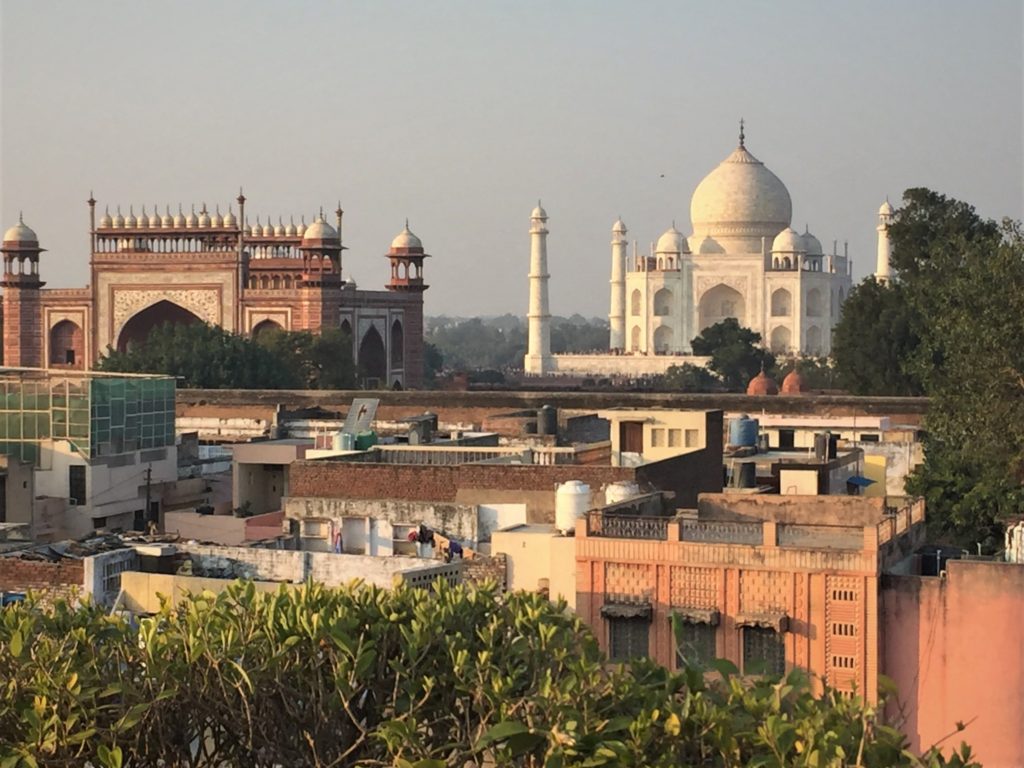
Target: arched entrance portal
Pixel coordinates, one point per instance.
(138, 328)
(67, 345)
(720, 303)
(397, 345)
(372, 361)
(265, 326)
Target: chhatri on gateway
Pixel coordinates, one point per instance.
(742, 260)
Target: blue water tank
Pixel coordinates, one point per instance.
(743, 431)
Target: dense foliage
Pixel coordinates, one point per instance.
(363, 676)
(499, 343)
(207, 356)
(949, 325)
(687, 378)
(736, 354)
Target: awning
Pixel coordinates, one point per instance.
(859, 481)
(699, 615)
(777, 621)
(626, 611)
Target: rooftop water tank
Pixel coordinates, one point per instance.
(621, 491)
(572, 500)
(743, 431)
(547, 420)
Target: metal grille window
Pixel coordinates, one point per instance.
(628, 638)
(764, 652)
(695, 643)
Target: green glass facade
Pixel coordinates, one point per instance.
(100, 416)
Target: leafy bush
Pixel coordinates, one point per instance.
(460, 676)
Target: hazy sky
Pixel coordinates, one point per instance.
(460, 114)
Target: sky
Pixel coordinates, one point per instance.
(460, 114)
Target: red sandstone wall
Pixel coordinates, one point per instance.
(955, 649)
(23, 327)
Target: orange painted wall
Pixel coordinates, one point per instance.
(955, 648)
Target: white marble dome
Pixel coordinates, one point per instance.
(538, 212)
(406, 239)
(619, 227)
(21, 233)
(812, 245)
(788, 241)
(886, 209)
(740, 198)
(670, 242)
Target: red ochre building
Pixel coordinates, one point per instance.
(148, 270)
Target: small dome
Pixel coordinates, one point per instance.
(762, 384)
(191, 220)
(812, 245)
(538, 212)
(710, 245)
(289, 230)
(216, 221)
(167, 221)
(179, 219)
(154, 220)
(669, 242)
(20, 233)
(406, 239)
(118, 221)
(886, 209)
(279, 229)
(793, 384)
(268, 230)
(300, 228)
(619, 227)
(320, 230)
(204, 217)
(229, 219)
(130, 222)
(788, 241)
(105, 220)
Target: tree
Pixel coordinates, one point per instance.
(876, 339)
(735, 351)
(688, 378)
(203, 356)
(454, 676)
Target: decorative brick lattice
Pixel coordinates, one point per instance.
(843, 626)
(765, 591)
(629, 583)
(694, 587)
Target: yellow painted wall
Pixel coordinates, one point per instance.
(875, 469)
(799, 482)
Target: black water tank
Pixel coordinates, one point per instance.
(747, 474)
(547, 420)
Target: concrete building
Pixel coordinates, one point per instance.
(152, 269)
(101, 446)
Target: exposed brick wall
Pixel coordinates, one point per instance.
(484, 568)
(23, 327)
(57, 579)
(346, 480)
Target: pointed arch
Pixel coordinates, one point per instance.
(813, 346)
(663, 339)
(782, 303)
(663, 302)
(634, 344)
(265, 326)
(67, 345)
(372, 359)
(140, 325)
(781, 339)
(813, 303)
(635, 301)
(397, 345)
(719, 303)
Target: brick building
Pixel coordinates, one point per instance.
(768, 582)
(153, 269)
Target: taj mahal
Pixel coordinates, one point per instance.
(742, 260)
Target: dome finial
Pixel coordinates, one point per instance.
(21, 218)
(406, 223)
(742, 135)
(321, 211)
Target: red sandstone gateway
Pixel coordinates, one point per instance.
(152, 269)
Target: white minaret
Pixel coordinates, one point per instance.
(617, 311)
(884, 246)
(538, 352)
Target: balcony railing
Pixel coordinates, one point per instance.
(721, 532)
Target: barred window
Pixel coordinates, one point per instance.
(628, 638)
(764, 652)
(695, 643)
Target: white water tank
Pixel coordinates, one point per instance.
(572, 500)
(621, 491)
